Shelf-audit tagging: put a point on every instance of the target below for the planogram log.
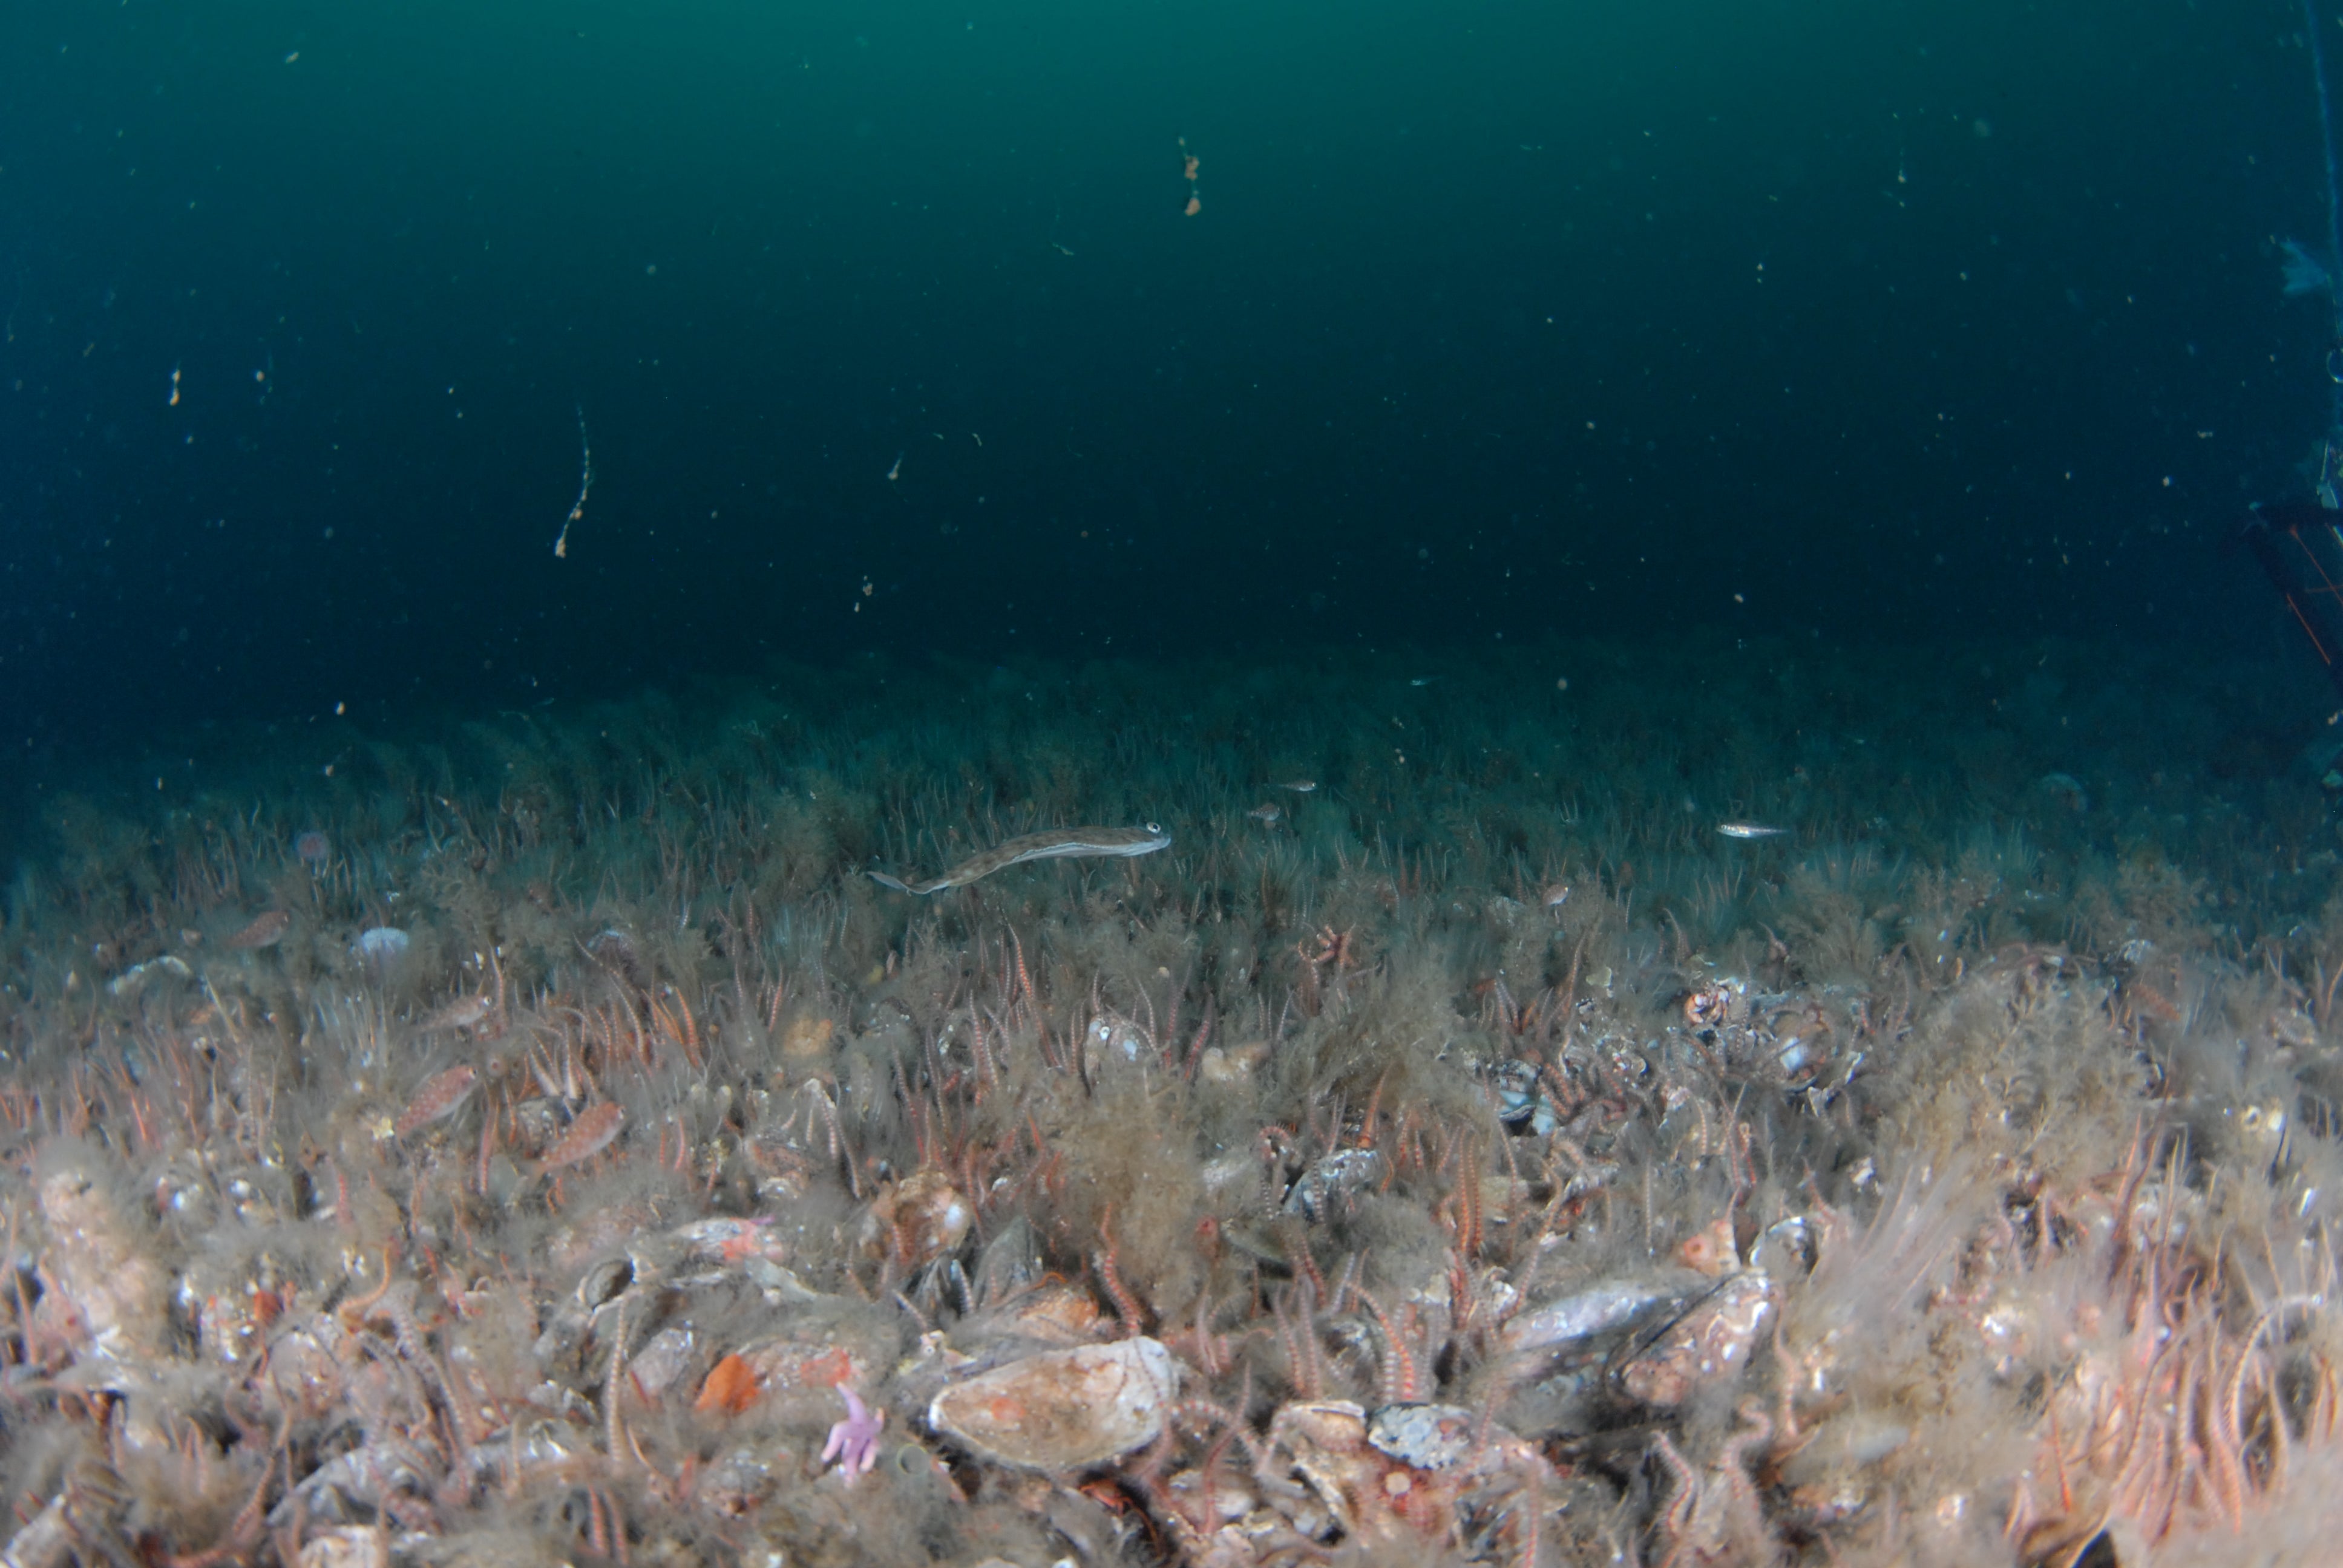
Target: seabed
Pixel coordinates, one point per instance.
(1475, 1156)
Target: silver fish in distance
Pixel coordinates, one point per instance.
(1056, 844)
(1749, 830)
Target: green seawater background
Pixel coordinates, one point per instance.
(1847, 322)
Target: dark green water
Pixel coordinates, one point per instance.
(1870, 322)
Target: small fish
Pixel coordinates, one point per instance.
(1749, 830)
(1264, 813)
(589, 1135)
(1057, 844)
(1300, 786)
(440, 1095)
(462, 1013)
(896, 472)
(266, 931)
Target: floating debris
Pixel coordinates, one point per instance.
(2303, 272)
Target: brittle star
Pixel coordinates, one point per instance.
(854, 1442)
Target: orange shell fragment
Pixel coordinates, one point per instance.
(730, 1387)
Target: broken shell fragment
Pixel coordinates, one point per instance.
(99, 1274)
(1709, 1341)
(798, 1368)
(604, 1280)
(1425, 1436)
(919, 1221)
(1233, 1065)
(664, 1358)
(1332, 1181)
(131, 980)
(724, 1240)
(1062, 1409)
(347, 1546)
(729, 1387)
(1787, 1249)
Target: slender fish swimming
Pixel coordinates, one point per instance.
(1056, 844)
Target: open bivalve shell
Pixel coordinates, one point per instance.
(1062, 1409)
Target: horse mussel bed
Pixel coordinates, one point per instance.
(1283, 1196)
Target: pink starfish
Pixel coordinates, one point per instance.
(854, 1442)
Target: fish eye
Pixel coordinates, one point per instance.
(1155, 828)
